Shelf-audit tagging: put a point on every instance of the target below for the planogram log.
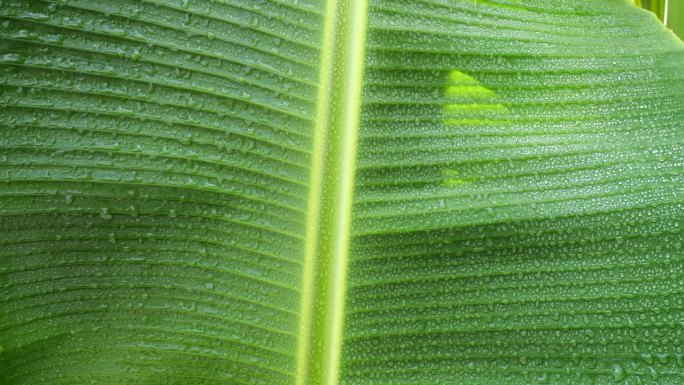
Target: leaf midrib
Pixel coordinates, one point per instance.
(333, 164)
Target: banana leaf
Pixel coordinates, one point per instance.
(479, 192)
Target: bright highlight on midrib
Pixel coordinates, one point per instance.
(315, 196)
(350, 132)
(330, 197)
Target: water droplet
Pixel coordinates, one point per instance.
(104, 214)
(12, 58)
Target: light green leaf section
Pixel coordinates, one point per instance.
(477, 192)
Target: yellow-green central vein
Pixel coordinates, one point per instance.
(330, 197)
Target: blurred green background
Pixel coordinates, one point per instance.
(670, 12)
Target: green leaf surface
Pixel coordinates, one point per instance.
(477, 192)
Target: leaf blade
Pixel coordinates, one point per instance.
(495, 238)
